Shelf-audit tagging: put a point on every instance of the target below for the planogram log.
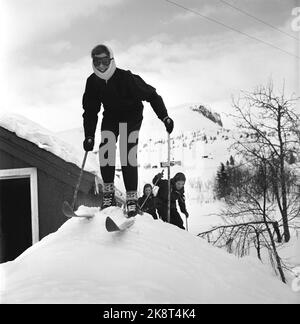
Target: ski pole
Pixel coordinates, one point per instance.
(79, 180)
(150, 192)
(169, 180)
(186, 222)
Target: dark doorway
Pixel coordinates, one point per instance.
(15, 218)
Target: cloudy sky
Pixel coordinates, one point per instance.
(45, 46)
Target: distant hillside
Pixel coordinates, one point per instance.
(187, 117)
(199, 142)
(74, 136)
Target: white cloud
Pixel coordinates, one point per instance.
(199, 69)
(58, 47)
(210, 69)
(181, 17)
(46, 95)
(29, 20)
(185, 16)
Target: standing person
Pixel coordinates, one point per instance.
(121, 93)
(177, 194)
(147, 201)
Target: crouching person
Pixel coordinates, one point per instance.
(177, 194)
(146, 203)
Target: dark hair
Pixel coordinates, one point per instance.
(179, 177)
(99, 49)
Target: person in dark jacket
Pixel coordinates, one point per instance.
(121, 93)
(177, 194)
(147, 201)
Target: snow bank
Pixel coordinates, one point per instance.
(45, 139)
(152, 262)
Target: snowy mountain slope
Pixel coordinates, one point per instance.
(198, 142)
(185, 117)
(74, 136)
(153, 262)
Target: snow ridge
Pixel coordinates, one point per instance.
(152, 262)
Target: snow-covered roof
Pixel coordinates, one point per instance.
(45, 139)
(153, 262)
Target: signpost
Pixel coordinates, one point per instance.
(172, 163)
(168, 165)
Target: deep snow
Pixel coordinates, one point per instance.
(152, 262)
(47, 140)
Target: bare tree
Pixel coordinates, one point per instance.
(271, 121)
(250, 223)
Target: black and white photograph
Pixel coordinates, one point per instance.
(149, 154)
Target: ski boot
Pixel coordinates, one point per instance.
(131, 204)
(108, 196)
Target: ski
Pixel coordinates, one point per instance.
(68, 212)
(112, 226)
(117, 220)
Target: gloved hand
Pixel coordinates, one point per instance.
(186, 214)
(169, 124)
(160, 175)
(88, 143)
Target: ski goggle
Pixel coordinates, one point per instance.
(102, 60)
